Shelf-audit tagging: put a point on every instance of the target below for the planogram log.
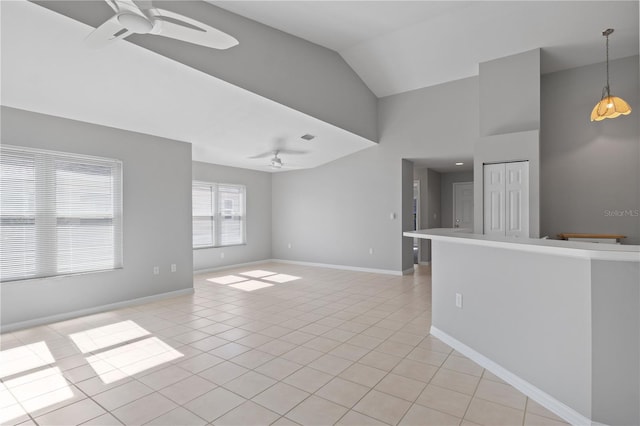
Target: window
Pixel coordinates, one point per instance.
(60, 213)
(218, 215)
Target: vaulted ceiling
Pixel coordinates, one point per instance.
(397, 46)
(285, 78)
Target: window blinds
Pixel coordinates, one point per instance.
(231, 199)
(219, 217)
(60, 213)
(203, 215)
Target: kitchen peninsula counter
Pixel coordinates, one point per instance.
(559, 320)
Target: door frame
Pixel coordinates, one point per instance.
(418, 198)
(416, 185)
(455, 185)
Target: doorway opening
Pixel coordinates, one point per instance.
(416, 220)
(463, 205)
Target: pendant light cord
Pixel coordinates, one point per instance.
(607, 87)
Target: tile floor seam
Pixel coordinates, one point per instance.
(472, 397)
(429, 383)
(20, 403)
(501, 404)
(292, 408)
(133, 379)
(99, 405)
(371, 388)
(348, 411)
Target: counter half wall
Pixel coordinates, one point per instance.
(558, 320)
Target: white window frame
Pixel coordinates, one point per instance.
(218, 213)
(48, 222)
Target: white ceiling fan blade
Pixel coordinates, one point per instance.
(263, 155)
(106, 33)
(280, 151)
(124, 5)
(173, 25)
(113, 5)
(292, 151)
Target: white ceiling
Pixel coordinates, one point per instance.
(394, 46)
(47, 68)
(397, 46)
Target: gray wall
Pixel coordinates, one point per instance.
(258, 206)
(433, 203)
(510, 94)
(615, 300)
(279, 66)
(590, 168)
(509, 126)
(333, 214)
(536, 325)
(446, 195)
(422, 174)
(432, 209)
(406, 213)
(156, 217)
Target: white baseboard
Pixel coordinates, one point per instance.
(424, 263)
(342, 267)
(408, 271)
(4, 328)
(297, 262)
(547, 401)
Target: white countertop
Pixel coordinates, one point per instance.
(598, 251)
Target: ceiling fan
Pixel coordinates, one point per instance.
(276, 162)
(142, 18)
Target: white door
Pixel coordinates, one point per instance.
(463, 205)
(494, 205)
(517, 199)
(506, 199)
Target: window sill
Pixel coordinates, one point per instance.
(58, 277)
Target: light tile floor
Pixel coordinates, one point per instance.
(275, 344)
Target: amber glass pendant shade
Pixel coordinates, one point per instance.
(609, 106)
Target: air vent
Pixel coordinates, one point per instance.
(307, 137)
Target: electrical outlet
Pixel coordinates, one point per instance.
(289, 245)
(371, 251)
(156, 270)
(173, 267)
(459, 300)
(221, 255)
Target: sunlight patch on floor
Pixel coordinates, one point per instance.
(281, 278)
(31, 380)
(24, 358)
(227, 279)
(11, 412)
(258, 273)
(34, 391)
(261, 279)
(132, 358)
(109, 335)
(251, 285)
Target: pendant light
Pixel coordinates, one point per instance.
(609, 106)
